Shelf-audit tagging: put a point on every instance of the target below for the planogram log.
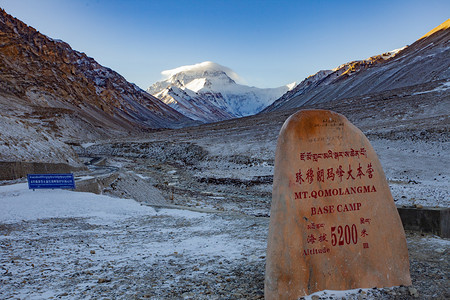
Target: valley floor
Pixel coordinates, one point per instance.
(219, 177)
(62, 244)
(229, 165)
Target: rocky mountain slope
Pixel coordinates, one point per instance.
(49, 73)
(427, 60)
(208, 92)
(50, 93)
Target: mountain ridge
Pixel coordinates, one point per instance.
(52, 95)
(426, 60)
(443, 26)
(36, 67)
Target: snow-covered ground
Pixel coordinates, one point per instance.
(64, 244)
(417, 171)
(21, 204)
(58, 243)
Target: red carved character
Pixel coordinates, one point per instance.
(298, 177)
(320, 175)
(330, 174)
(323, 237)
(364, 233)
(349, 173)
(369, 170)
(310, 175)
(363, 151)
(360, 172)
(302, 156)
(340, 172)
(311, 239)
(364, 221)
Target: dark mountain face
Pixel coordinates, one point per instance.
(47, 73)
(425, 61)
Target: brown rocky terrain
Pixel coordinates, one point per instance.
(49, 73)
(51, 94)
(426, 60)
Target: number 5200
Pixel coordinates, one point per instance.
(344, 235)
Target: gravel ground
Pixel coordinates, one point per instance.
(209, 165)
(172, 255)
(225, 167)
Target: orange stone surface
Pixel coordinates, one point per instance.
(333, 223)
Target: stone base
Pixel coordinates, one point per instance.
(95, 185)
(426, 219)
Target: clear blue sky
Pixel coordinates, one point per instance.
(268, 43)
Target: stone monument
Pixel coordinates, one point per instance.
(333, 223)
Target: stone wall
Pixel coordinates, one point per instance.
(435, 220)
(17, 169)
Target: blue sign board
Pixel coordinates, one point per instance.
(51, 181)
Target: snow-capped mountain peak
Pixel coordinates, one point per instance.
(211, 92)
(200, 70)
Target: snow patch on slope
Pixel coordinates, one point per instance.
(21, 140)
(196, 84)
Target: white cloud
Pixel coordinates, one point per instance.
(204, 66)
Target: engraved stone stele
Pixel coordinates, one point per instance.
(333, 223)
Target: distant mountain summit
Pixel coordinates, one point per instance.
(425, 61)
(210, 92)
